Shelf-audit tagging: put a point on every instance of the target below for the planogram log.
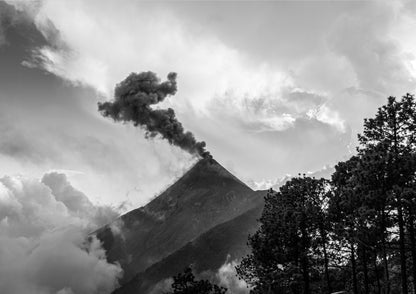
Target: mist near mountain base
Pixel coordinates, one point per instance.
(225, 276)
(44, 243)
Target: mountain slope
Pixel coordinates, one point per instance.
(208, 252)
(207, 195)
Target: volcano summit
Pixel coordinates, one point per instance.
(205, 202)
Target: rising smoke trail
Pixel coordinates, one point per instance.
(133, 98)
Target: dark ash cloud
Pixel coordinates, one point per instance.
(133, 100)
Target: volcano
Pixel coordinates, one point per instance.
(207, 208)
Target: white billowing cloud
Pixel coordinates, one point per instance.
(257, 112)
(76, 201)
(227, 277)
(379, 54)
(106, 41)
(44, 244)
(59, 261)
(275, 184)
(277, 111)
(265, 184)
(326, 115)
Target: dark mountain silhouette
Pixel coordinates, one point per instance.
(207, 253)
(206, 196)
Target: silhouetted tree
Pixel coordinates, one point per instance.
(291, 245)
(185, 283)
(342, 213)
(391, 136)
(358, 228)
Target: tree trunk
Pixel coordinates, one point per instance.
(366, 282)
(413, 246)
(304, 255)
(305, 266)
(396, 181)
(376, 273)
(354, 270)
(402, 248)
(305, 272)
(385, 261)
(326, 262)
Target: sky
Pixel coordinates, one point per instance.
(272, 87)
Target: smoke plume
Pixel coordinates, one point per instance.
(133, 100)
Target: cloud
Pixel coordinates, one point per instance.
(76, 201)
(378, 58)
(15, 14)
(222, 93)
(227, 277)
(299, 89)
(44, 244)
(275, 184)
(8, 16)
(208, 68)
(17, 142)
(114, 162)
(267, 112)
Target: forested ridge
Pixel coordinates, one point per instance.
(354, 232)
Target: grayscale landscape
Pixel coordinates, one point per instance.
(207, 147)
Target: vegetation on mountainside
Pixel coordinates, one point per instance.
(185, 283)
(355, 232)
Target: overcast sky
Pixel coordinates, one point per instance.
(273, 87)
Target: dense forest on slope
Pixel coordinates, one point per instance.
(355, 232)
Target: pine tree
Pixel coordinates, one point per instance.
(185, 283)
(391, 135)
(290, 246)
(343, 207)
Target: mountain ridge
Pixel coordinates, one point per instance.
(204, 197)
(206, 253)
